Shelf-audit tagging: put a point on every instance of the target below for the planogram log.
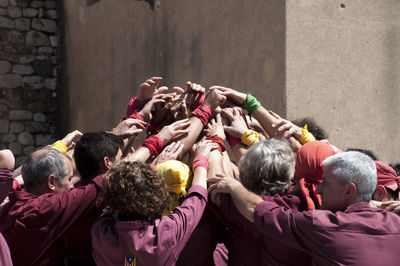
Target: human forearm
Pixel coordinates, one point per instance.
(200, 177)
(195, 128)
(245, 201)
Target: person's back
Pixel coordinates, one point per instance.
(34, 221)
(347, 230)
(133, 230)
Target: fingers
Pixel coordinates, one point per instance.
(178, 90)
(227, 114)
(219, 119)
(160, 90)
(134, 122)
(180, 123)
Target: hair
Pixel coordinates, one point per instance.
(91, 149)
(135, 192)
(312, 127)
(354, 167)
(396, 167)
(267, 167)
(370, 153)
(41, 164)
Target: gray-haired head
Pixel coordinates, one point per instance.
(41, 164)
(357, 168)
(267, 167)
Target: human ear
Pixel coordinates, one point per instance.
(379, 193)
(107, 163)
(52, 182)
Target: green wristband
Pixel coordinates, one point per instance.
(251, 103)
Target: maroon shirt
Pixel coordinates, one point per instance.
(34, 225)
(6, 179)
(359, 235)
(157, 242)
(248, 247)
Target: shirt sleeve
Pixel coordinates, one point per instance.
(294, 229)
(185, 218)
(6, 180)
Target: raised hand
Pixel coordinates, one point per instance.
(148, 107)
(149, 88)
(171, 152)
(236, 96)
(70, 138)
(173, 130)
(214, 99)
(284, 129)
(203, 147)
(215, 127)
(237, 125)
(128, 128)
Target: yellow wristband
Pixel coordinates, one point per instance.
(306, 136)
(250, 137)
(60, 146)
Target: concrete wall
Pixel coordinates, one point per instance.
(113, 46)
(342, 68)
(336, 61)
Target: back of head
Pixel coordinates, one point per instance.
(388, 178)
(370, 153)
(267, 167)
(309, 161)
(91, 149)
(309, 170)
(40, 165)
(135, 192)
(354, 167)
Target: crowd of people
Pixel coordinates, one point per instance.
(218, 180)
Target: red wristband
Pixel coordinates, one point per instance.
(217, 139)
(199, 100)
(133, 107)
(203, 112)
(154, 144)
(232, 141)
(136, 115)
(200, 161)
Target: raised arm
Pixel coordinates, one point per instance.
(200, 118)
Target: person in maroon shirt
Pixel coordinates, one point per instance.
(133, 230)
(346, 231)
(34, 220)
(7, 162)
(266, 169)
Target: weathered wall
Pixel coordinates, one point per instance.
(28, 62)
(342, 68)
(112, 46)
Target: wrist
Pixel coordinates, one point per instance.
(251, 103)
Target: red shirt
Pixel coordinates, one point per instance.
(34, 226)
(359, 235)
(157, 242)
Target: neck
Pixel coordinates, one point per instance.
(38, 190)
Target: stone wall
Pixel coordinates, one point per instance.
(28, 75)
